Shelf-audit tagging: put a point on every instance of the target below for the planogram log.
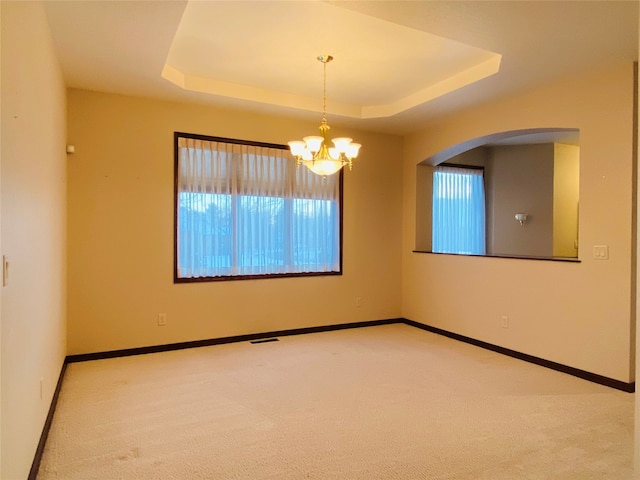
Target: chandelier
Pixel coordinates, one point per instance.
(314, 151)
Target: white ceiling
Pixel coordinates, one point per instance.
(398, 65)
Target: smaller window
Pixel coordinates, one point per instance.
(458, 210)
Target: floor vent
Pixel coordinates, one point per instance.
(265, 340)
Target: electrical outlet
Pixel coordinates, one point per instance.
(162, 319)
(504, 321)
(358, 301)
(601, 252)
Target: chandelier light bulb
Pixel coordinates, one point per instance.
(352, 150)
(324, 167)
(297, 148)
(313, 143)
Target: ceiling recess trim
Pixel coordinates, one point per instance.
(210, 86)
(226, 49)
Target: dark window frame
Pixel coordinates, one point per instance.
(178, 279)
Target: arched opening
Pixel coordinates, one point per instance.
(531, 194)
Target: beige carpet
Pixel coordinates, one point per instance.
(386, 402)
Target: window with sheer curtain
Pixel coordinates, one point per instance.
(244, 210)
(458, 210)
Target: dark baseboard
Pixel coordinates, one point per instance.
(35, 465)
(265, 337)
(271, 336)
(220, 341)
(576, 372)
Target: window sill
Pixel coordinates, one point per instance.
(517, 257)
(227, 278)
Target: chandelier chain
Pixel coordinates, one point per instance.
(324, 93)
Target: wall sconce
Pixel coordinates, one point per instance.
(521, 217)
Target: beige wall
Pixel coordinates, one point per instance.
(635, 283)
(566, 198)
(33, 230)
(1, 266)
(424, 215)
(578, 314)
(121, 232)
(520, 179)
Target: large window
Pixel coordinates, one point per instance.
(245, 210)
(458, 210)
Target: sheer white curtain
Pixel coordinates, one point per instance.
(458, 211)
(247, 210)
